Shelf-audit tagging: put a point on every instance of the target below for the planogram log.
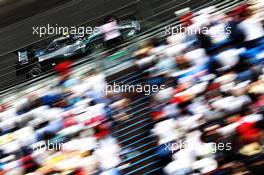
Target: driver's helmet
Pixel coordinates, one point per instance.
(66, 34)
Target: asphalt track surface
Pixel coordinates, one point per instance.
(12, 11)
(18, 33)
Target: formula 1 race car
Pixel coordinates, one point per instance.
(33, 62)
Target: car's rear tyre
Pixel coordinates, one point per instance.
(35, 70)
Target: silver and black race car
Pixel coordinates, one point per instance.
(33, 62)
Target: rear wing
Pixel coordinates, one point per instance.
(23, 56)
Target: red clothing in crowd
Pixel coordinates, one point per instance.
(248, 132)
(63, 68)
(186, 19)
